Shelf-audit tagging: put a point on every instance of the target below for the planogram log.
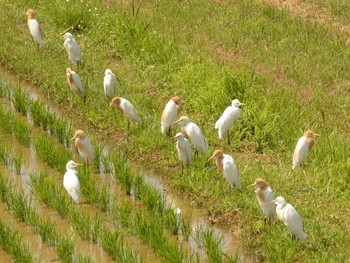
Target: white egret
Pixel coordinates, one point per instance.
(109, 84)
(290, 217)
(229, 116)
(170, 112)
(264, 196)
(124, 106)
(228, 167)
(74, 82)
(194, 133)
(35, 29)
(73, 49)
(71, 181)
(84, 146)
(303, 147)
(183, 149)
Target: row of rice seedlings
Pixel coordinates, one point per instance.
(88, 227)
(7, 158)
(53, 154)
(24, 211)
(39, 113)
(12, 125)
(11, 241)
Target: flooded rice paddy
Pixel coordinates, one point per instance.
(126, 214)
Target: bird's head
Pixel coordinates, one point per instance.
(311, 134)
(68, 35)
(182, 121)
(115, 101)
(30, 13)
(236, 103)
(78, 134)
(109, 72)
(279, 201)
(259, 182)
(68, 71)
(178, 136)
(177, 100)
(216, 154)
(72, 165)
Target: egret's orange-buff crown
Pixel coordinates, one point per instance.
(216, 154)
(177, 100)
(78, 134)
(30, 13)
(310, 134)
(116, 100)
(259, 182)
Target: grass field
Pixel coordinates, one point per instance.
(291, 74)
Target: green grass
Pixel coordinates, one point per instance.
(291, 74)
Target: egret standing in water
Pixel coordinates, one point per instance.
(290, 217)
(73, 49)
(303, 147)
(192, 131)
(264, 196)
(71, 181)
(84, 146)
(183, 149)
(129, 111)
(228, 167)
(170, 112)
(229, 116)
(109, 84)
(34, 28)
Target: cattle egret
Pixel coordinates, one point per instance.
(192, 131)
(74, 82)
(230, 115)
(290, 217)
(170, 112)
(71, 181)
(73, 49)
(109, 84)
(303, 147)
(264, 196)
(183, 149)
(127, 109)
(228, 167)
(34, 28)
(84, 146)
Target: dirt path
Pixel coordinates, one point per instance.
(310, 12)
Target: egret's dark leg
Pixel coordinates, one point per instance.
(228, 137)
(187, 168)
(182, 170)
(265, 221)
(128, 126)
(78, 63)
(195, 154)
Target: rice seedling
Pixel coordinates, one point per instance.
(12, 243)
(4, 152)
(17, 162)
(20, 100)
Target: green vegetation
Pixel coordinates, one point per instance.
(11, 241)
(292, 75)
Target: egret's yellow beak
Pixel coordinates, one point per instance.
(211, 157)
(78, 164)
(110, 105)
(241, 104)
(174, 138)
(273, 201)
(317, 135)
(72, 139)
(251, 185)
(176, 122)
